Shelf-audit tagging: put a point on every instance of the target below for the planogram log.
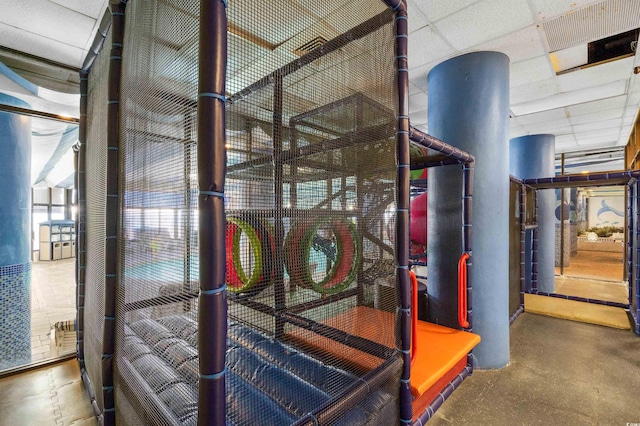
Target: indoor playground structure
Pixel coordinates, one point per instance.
(527, 197)
(291, 193)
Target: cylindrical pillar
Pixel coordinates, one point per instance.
(15, 236)
(533, 157)
(469, 109)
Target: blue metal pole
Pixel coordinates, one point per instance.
(469, 109)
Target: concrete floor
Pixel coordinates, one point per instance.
(561, 373)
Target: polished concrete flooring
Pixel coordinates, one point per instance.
(53, 395)
(561, 373)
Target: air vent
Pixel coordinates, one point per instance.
(310, 45)
(597, 21)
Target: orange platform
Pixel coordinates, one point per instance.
(440, 353)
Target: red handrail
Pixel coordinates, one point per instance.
(462, 291)
(414, 315)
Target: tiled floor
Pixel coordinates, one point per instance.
(53, 299)
(52, 395)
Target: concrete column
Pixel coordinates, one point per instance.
(531, 157)
(15, 236)
(469, 108)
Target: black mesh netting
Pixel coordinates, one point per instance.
(310, 190)
(96, 155)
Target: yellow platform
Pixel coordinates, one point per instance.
(590, 313)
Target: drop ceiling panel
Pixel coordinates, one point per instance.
(574, 97)
(519, 45)
(435, 10)
(595, 106)
(567, 139)
(530, 71)
(609, 134)
(484, 21)
(533, 91)
(418, 101)
(597, 142)
(545, 116)
(596, 75)
(425, 46)
(37, 17)
(570, 57)
(91, 8)
(413, 89)
(419, 118)
(597, 125)
(417, 19)
(34, 44)
(329, 5)
(556, 127)
(611, 114)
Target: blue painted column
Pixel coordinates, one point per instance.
(469, 108)
(15, 236)
(534, 156)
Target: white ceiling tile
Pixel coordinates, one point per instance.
(413, 89)
(558, 127)
(628, 120)
(597, 116)
(518, 45)
(571, 57)
(546, 9)
(600, 105)
(517, 131)
(625, 132)
(602, 134)
(417, 19)
(41, 46)
(418, 101)
(574, 97)
(633, 99)
(596, 75)
(545, 116)
(566, 139)
(533, 91)
(49, 20)
(597, 125)
(435, 10)
(425, 46)
(597, 142)
(418, 118)
(91, 8)
(484, 21)
(529, 71)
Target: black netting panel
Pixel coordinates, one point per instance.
(96, 204)
(309, 194)
(157, 245)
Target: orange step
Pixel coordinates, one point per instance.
(439, 350)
